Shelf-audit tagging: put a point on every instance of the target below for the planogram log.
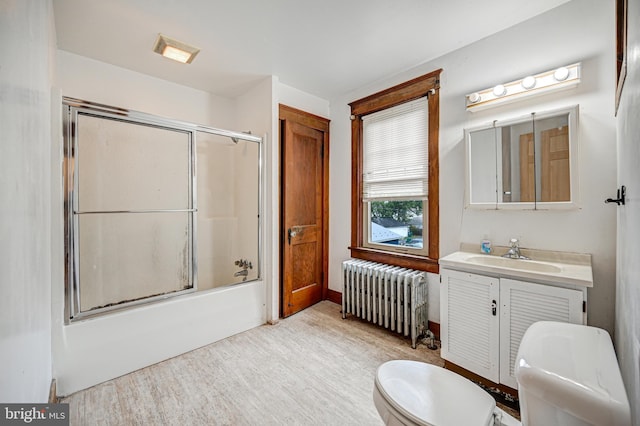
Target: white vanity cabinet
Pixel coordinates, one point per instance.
(483, 318)
(469, 322)
(523, 303)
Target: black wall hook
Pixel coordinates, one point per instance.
(622, 191)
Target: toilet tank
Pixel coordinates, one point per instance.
(568, 374)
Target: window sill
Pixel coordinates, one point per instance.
(420, 263)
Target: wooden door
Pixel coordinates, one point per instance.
(555, 165)
(527, 169)
(304, 204)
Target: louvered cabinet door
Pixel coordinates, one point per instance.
(522, 304)
(469, 322)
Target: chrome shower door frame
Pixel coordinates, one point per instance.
(72, 108)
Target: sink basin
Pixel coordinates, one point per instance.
(523, 265)
(549, 267)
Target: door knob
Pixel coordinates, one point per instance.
(292, 232)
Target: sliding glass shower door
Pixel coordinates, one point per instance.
(131, 220)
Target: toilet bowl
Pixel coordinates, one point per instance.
(411, 392)
(417, 393)
(567, 375)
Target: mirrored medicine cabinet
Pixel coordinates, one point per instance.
(528, 162)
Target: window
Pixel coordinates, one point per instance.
(395, 175)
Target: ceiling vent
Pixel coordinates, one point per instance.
(174, 49)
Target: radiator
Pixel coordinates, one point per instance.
(390, 296)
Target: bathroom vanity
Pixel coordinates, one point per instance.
(487, 302)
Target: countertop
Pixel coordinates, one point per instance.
(563, 267)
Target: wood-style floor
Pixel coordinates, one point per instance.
(313, 368)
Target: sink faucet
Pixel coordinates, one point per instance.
(514, 250)
(242, 273)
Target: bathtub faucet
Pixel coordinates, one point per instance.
(244, 272)
(244, 263)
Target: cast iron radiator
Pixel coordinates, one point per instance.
(390, 296)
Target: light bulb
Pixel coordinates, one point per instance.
(499, 90)
(529, 82)
(561, 74)
(474, 98)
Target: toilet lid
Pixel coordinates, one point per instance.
(430, 395)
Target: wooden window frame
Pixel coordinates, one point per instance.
(426, 85)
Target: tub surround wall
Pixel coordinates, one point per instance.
(576, 31)
(228, 181)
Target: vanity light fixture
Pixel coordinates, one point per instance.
(557, 79)
(174, 49)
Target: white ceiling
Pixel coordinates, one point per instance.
(323, 47)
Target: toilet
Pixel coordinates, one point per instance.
(567, 375)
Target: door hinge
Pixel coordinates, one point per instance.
(584, 306)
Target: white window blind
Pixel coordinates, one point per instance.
(396, 152)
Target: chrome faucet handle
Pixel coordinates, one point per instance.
(514, 250)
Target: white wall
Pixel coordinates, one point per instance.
(295, 98)
(628, 286)
(91, 80)
(27, 34)
(89, 352)
(255, 112)
(577, 31)
(280, 93)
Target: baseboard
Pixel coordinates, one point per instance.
(479, 379)
(53, 396)
(334, 296)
